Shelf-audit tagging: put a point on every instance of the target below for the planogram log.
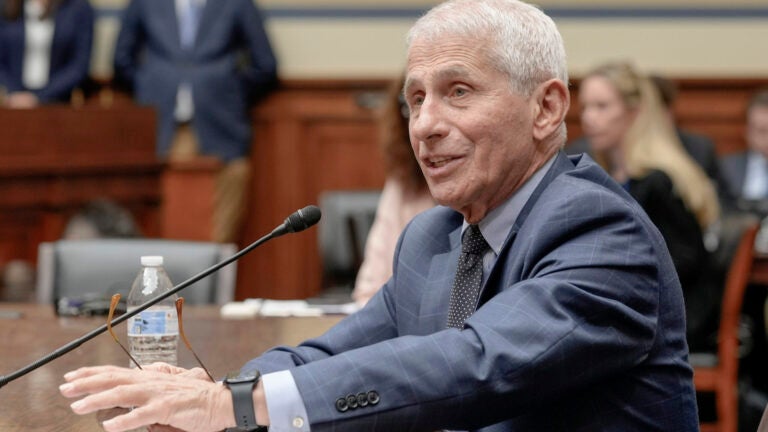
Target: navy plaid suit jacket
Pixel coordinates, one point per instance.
(580, 328)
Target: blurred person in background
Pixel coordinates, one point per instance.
(45, 50)
(746, 172)
(101, 218)
(699, 147)
(405, 195)
(634, 140)
(202, 64)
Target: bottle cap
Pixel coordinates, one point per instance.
(152, 260)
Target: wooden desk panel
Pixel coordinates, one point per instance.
(308, 139)
(33, 402)
(63, 138)
(55, 159)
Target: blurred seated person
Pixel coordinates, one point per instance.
(101, 218)
(699, 147)
(45, 50)
(17, 284)
(746, 173)
(405, 195)
(634, 140)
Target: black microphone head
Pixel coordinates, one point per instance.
(302, 219)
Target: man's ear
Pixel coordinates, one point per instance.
(552, 101)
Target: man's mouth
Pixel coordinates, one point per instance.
(438, 162)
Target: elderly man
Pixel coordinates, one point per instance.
(559, 309)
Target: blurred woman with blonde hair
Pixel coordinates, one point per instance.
(633, 139)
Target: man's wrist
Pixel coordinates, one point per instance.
(223, 409)
(247, 400)
(260, 405)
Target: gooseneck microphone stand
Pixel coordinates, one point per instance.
(298, 221)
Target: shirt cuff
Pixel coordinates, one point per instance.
(286, 409)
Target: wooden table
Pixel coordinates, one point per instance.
(33, 403)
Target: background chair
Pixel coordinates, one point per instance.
(347, 218)
(100, 268)
(718, 372)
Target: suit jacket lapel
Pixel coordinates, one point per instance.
(493, 283)
(437, 292)
(166, 12)
(207, 17)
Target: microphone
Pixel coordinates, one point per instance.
(298, 221)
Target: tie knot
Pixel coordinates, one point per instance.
(473, 242)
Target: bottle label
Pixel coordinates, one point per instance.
(153, 322)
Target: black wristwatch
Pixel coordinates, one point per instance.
(241, 386)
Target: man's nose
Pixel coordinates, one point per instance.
(428, 123)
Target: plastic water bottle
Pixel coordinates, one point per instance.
(153, 334)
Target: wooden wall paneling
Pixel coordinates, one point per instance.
(307, 140)
(56, 158)
(19, 235)
(270, 271)
(188, 189)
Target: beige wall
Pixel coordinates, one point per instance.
(374, 47)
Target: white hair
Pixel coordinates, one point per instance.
(524, 42)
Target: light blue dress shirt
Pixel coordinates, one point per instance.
(756, 177)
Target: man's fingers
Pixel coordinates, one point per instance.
(90, 381)
(123, 396)
(133, 419)
(198, 373)
(163, 428)
(90, 371)
(165, 368)
(107, 414)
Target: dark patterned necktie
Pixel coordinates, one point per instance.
(469, 277)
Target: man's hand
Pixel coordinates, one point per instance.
(160, 394)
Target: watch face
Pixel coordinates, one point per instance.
(243, 377)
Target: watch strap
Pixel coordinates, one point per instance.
(241, 389)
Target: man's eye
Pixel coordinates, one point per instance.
(460, 92)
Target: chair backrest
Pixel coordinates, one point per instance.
(347, 218)
(103, 267)
(736, 282)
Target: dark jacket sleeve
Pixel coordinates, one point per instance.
(129, 42)
(694, 264)
(70, 51)
(260, 72)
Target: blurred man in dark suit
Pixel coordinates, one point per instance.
(201, 64)
(746, 172)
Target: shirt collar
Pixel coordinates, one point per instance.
(496, 224)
